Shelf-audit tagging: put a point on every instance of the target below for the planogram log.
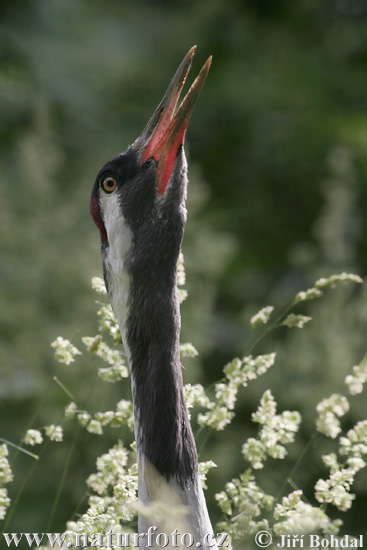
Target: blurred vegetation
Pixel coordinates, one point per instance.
(277, 197)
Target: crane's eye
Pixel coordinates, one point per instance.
(109, 184)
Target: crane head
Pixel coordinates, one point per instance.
(146, 184)
(138, 205)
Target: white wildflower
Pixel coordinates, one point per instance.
(305, 295)
(110, 468)
(4, 502)
(124, 414)
(241, 372)
(181, 276)
(83, 418)
(188, 350)
(104, 417)
(295, 516)
(276, 431)
(333, 280)
(287, 425)
(218, 418)
(328, 410)
(204, 468)
(33, 437)
(331, 461)
(328, 424)
(116, 485)
(224, 502)
(108, 323)
(55, 433)
(256, 366)
(330, 282)
(355, 463)
(98, 285)
(356, 380)
(335, 490)
(355, 444)
(65, 351)
(336, 403)
(262, 316)
(233, 370)
(226, 394)
(95, 427)
(114, 373)
(182, 295)
(266, 410)
(296, 321)
(181, 279)
(244, 498)
(195, 395)
(253, 451)
(6, 475)
(276, 451)
(113, 357)
(70, 410)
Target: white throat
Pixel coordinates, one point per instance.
(119, 239)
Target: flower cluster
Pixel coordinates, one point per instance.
(112, 507)
(354, 446)
(296, 321)
(356, 380)
(262, 316)
(94, 422)
(195, 395)
(55, 433)
(6, 476)
(276, 431)
(98, 285)
(204, 468)
(108, 323)
(4, 502)
(334, 280)
(243, 497)
(329, 410)
(294, 516)
(107, 319)
(321, 284)
(188, 350)
(237, 373)
(33, 437)
(65, 351)
(112, 356)
(305, 295)
(336, 489)
(181, 279)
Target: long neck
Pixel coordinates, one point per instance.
(163, 432)
(149, 318)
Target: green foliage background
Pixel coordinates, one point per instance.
(277, 197)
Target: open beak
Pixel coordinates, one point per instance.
(165, 132)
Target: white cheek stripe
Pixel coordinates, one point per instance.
(119, 238)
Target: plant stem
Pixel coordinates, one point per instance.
(62, 480)
(298, 462)
(272, 326)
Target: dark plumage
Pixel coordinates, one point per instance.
(138, 204)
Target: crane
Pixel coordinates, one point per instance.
(138, 205)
